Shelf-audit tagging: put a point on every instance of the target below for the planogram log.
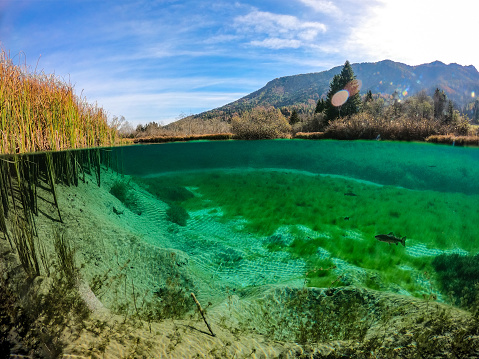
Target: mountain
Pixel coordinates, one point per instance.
(383, 77)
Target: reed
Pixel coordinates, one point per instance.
(39, 112)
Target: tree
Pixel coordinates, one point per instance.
(440, 100)
(343, 96)
(294, 118)
(419, 106)
(452, 114)
(369, 97)
(320, 106)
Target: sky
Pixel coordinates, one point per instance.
(160, 60)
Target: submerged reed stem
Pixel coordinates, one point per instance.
(202, 312)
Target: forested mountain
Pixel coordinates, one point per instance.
(383, 77)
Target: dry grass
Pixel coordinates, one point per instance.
(39, 112)
(456, 140)
(309, 135)
(163, 139)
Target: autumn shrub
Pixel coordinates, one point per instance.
(261, 123)
(364, 126)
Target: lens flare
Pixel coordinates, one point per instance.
(353, 87)
(473, 94)
(339, 98)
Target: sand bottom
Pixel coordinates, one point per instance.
(137, 270)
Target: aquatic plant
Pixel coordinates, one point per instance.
(65, 259)
(166, 191)
(458, 277)
(177, 214)
(123, 191)
(40, 112)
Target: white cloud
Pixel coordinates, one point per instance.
(324, 6)
(416, 32)
(276, 28)
(276, 43)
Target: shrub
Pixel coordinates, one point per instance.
(365, 126)
(261, 123)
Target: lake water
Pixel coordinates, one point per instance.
(307, 212)
(348, 246)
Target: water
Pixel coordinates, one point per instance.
(307, 212)
(277, 239)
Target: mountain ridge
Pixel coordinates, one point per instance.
(383, 77)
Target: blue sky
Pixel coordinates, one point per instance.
(158, 60)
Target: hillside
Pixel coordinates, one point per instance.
(384, 77)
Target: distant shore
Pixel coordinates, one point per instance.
(439, 139)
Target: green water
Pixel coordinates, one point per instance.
(332, 197)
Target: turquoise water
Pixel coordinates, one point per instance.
(307, 212)
(410, 165)
(283, 242)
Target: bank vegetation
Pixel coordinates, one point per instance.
(40, 112)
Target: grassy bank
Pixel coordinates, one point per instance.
(40, 112)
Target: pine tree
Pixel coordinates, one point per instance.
(369, 96)
(346, 80)
(452, 114)
(320, 106)
(440, 100)
(294, 117)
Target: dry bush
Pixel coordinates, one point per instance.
(365, 126)
(261, 123)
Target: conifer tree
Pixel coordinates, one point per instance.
(294, 117)
(346, 80)
(320, 106)
(440, 100)
(369, 96)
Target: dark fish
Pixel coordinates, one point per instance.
(350, 194)
(391, 238)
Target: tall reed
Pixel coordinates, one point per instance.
(39, 112)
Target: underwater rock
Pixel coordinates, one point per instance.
(90, 299)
